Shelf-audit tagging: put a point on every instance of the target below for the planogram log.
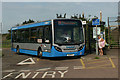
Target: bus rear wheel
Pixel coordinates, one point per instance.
(39, 53)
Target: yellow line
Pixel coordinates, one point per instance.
(98, 66)
(96, 59)
(37, 59)
(82, 63)
(95, 62)
(112, 62)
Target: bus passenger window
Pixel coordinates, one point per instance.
(40, 34)
(33, 37)
(47, 34)
(14, 36)
(18, 36)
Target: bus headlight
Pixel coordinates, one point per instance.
(81, 47)
(58, 49)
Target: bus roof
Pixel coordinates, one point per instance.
(43, 23)
(32, 25)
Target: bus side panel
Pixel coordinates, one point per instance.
(13, 49)
(32, 46)
(55, 53)
(31, 52)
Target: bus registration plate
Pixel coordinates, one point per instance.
(70, 54)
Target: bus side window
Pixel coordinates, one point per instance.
(47, 34)
(14, 36)
(26, 35)
(40, 34)
(18, 35)
(22, 36)
(33, 37)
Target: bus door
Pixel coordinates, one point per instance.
(45, 38)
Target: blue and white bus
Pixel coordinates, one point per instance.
(52, 38)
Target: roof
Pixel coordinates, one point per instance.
(43, 23)
(32, 25)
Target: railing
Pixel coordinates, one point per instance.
(6, 44)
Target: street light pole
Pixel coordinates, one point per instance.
(96, 42)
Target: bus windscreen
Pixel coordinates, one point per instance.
(68, 32)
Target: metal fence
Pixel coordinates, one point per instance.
(6, 44)
(113, 31)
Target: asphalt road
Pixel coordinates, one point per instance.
(23, 66)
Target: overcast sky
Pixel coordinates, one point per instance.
(17, 12)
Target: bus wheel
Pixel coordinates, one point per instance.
(39, 53)
(18, 51)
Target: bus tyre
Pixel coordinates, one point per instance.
(39, 53)
(18, 51)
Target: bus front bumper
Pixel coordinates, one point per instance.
(55, 53)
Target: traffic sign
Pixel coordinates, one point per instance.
(94, 32)
(95, 21)
(83, 22)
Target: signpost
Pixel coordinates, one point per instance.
(94, 31)
(83, 22)
(96, 22)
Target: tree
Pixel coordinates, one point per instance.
(29, 21)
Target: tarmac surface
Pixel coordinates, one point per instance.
(24, 66)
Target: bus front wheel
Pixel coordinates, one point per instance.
(39, 53)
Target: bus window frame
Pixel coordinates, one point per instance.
(30, 32)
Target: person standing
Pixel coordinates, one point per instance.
(101, 44)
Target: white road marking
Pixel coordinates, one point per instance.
(82, 58)
(23, 75)
(62, 73)
(52, 74)
(24, 70)
(24, 62)
(43, 69)
(8, 70)
(36, 73)
(61, 68)
(78, 67)
(7, 75)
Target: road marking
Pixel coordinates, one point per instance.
(43, 69)
(82, 63)
(7, 75)
(98, 66)
(78, 67)
(8, 70)
(37, 59)
(95, 62)
(36, 73)
(113, 65)
(24, 62)
(62, 73)
(46, 74)
(61, 68)
(24, 70)
(88, 60)
(23, 75)
(82, 58)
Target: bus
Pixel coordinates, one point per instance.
(52, 38)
